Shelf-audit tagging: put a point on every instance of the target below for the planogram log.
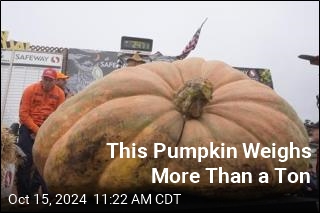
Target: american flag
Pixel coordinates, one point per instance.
(192, 43)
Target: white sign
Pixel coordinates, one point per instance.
(6, 56)
(21, 77)
(32, 58)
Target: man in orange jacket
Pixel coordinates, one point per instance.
(61, 82)
(38, 101)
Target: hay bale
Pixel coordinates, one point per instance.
(11, 156)
(8, 150)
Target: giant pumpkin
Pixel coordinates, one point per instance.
(187, 103)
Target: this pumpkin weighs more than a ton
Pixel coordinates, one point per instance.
(187, 103)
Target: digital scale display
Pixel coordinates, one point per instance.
(137, 44)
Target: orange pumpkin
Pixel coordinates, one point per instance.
(187, 103)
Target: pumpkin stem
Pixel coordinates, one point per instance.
(193, 96)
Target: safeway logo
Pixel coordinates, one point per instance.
(55, 59)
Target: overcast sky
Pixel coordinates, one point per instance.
(244, 34)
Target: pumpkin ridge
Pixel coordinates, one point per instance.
(259, 104)
(243, 99)
(156, 119)
(165, 83)
(133, 168)
(183, 81)
(227, 75)
(135, 96)
(274, 113)
(181, 132)
(216, 89)
(239, 125)
(167, 72)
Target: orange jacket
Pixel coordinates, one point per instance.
(36, 105)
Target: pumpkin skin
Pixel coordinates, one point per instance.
(141, 105)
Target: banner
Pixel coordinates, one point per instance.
(38, 59)
(86, 66)
(6, 57)
(258, 74)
